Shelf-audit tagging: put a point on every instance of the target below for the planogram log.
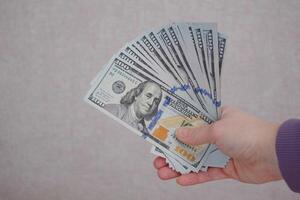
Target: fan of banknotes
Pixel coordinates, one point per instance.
(165, 79)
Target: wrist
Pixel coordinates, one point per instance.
(272, 156)
(267, 164)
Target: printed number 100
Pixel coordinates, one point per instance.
(185, 153)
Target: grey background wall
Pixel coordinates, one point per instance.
(54, 146)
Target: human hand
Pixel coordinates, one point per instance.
(248, 140)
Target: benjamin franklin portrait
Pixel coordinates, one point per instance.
(137, 105)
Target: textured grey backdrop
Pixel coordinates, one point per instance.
(54, 146)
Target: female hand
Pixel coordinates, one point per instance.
(248, 140)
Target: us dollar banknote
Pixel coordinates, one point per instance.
(144, 106)
(165, 79)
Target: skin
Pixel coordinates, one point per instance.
(248, 140)
(146, 103)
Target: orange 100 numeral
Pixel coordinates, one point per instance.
(185, 153)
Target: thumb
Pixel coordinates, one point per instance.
(195, 135)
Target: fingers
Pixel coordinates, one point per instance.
(166, 173)
(225, 109)
(195, 136)
(163, 170)
(159, 162)
(196, 178)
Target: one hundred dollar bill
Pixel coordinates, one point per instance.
(147, 108)
(165, 79)
(214, 157)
